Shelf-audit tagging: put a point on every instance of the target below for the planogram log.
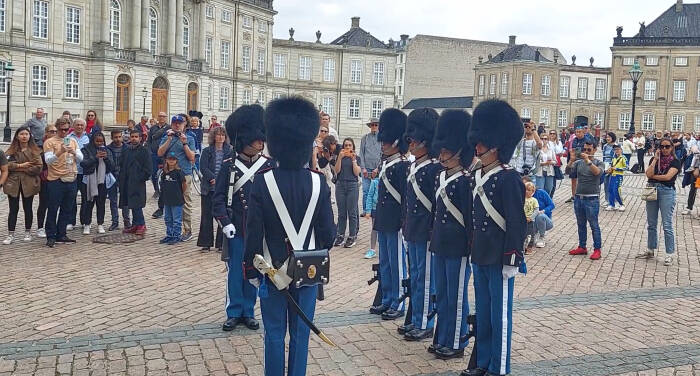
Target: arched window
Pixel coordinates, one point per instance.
(115, 23)
(152, 31)
(185, 37)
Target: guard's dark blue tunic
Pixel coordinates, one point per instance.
(419, 219)
(389, 215)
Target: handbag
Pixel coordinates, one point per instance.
(648, 193)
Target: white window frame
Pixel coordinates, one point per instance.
(598, 119)
(681, 61)
(261, 97)
(482, 84)
(3, 76)
(328, 69)
(3, 12)
(185, 37)
(115, 23)
(226, 16)
(626, 90)
(39, 81)
(677, 122)
(624, 120)
(698, 98)
(354, 105)
(377, 108)
(562, 118)
(40, 19)
(492, 84)
(305, 66)
(280, 65)
(378, 73)
(355, 71)
(582, 88)
(246, 96)
(544, 116)
(696, 128)
(328, 105)
(262, 26)
(564, 86)
(262, 57)
(73, 24)
(209, 11)
(247, 22)
(628, 60)
(679, 90)
(224, 96)
(648, 121)
(277, 95)
(225, 54)
(72, 84)
(527, 83)
(152, 31)
(650, 90)
(600, 89)
(652, 61)
(208, 49)
(504, 83)
(245, 58)
(546, 85)
(526, 113)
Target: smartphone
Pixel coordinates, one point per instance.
(66, 141)
(102, 148)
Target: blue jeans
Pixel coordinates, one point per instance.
(173, 221)
(666, 203)
(365, 189)
(586, 209)
(543, 223)
(606, 187)
(155, 161)
(545, 182)
(138, 219)
(113, 195)
(61, 196)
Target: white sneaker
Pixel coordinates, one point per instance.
(86, 229)
(540, 242)
(69, 228)
(646, 253)
(41, 233)
(100, 229)
(621, 208)
(610, 208)
(605, 204)
(27, 236)
(9, 239)
(685, 211)
(668, 260)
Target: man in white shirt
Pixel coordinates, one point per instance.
(639, 142)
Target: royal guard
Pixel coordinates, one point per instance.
(451, 236)
(393, 173)
(245, 129)
(418, 223)
(289, 218)
(499, 228)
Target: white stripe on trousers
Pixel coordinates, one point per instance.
(426, 287)
(399, 253)
(460, 300)
(504, 328)
(228, 299)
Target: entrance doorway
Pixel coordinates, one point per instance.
(192, 97)
(159, 97)
(122, 106)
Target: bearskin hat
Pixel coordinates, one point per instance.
(392, 126)
(451, 134)
(292, 125)
(420, 126)
(496, 124)
(245, 125)
(195, 113)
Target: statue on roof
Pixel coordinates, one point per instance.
(619, 31)
(642, 29)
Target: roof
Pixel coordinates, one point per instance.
(356, 36)
(518, 52)
(674, 24)
(444, 102)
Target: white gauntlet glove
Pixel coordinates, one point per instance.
(230, 230)
(509, 272)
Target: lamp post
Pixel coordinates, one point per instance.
(7, 132)
(635, 75)
(145, 93)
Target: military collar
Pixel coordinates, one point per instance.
(248, 159)
(455, 170)
(422, 159)
(393, 157)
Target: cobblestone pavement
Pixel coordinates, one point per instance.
(144, 308)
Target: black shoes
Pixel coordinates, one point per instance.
(391, 314)
(230, 324)
(418, 334)
(350, 242)
(113, 227)
(473, 372)
(403, 329)
(157, 214)
(50, 243)
(433, 347)
(338, 241)
(570, 200)
(65, 239)
(444, 353)
(378, 309)
(249, 323)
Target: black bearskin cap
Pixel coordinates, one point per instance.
(451, 134)
(245, 125)
(420, 126)
(195, 113)
(392, 126)
(292, 124)
(496, 125)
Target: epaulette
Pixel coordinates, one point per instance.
(260, 172)
(316, 171)
(506, 166)
(227, 160)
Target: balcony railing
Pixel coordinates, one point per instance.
(260, 3)
(125, 55)
(163, 61)
(194, 66)
(656, 41)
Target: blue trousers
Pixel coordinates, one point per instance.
(240, 294)
(494, 318)
(615, 190)
(113, 195)
(61, 196)
(277, 318)
(365, 189)
(451, 288)
(586, 210)
(173, 221)
(420, 270)
(137, 215)
(392, 268)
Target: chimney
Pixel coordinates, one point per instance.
(355, 22)
(511, 41)
(679, 6)
(537, 55)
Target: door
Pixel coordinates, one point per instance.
(192, 97)
(122, 95)
(159, 97)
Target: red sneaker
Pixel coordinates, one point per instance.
(140, 230)
(129, 230)
(596, 254)
(578, 251)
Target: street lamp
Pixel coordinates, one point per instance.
(7, 132)
(145, 93)
(635, 75)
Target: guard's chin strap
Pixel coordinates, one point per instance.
(418, 147)
(248, 158)
(455, 155)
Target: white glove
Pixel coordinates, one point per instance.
(509, 272)
(255, 282)
(230, 230)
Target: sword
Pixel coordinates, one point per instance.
(282, 282)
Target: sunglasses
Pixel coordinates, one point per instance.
(666, 146)
(52, 131)
(322, 131)
(587, 149)
(374, 125)
(64, 129)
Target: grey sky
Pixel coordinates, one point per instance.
(584, 28)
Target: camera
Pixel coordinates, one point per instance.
(527, 169)
(177, 134)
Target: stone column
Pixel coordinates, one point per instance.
(135, 29)
(202, 31)
(179, 14)
(172, 29)
(145, 4)
(104, 19)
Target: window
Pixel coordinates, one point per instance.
(40, 80)
(225, 53)
(647, 122)
(40, 19)
(115, 23)
(152, 31)
(681, 61)
(378, 76)
(304, 67)
(355, 71)
(280, 70)
(226, 16)
(600, 89)
(354, 108)
(377, 108)
(262, 26)
(482, 83)
(209, 96)
(546, 87)
(598, 119)
(277, 95)
(526, 113)
(247, 22)
(678, 91)
(582, 92)
(245, 59)
(652, 60)
(208, 44)
(564, 84)
(677, 122)
(504, 83)
(328, 70)
(2, 15)
(628, 60)
(492, 84)
(3, 84)
(650, 90)
(72, 83)
(328, 105)
(544, 116)
(209, 11)
(73, 25)
(624, 123)
(626, 90)
(697, 123)
(185, 37)
(562, 118)
(223, 98)
(246, 96)
(698, 91)
(262, 69)
(261, 97)
(527, 83)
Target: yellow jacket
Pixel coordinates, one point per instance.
(619, 165)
